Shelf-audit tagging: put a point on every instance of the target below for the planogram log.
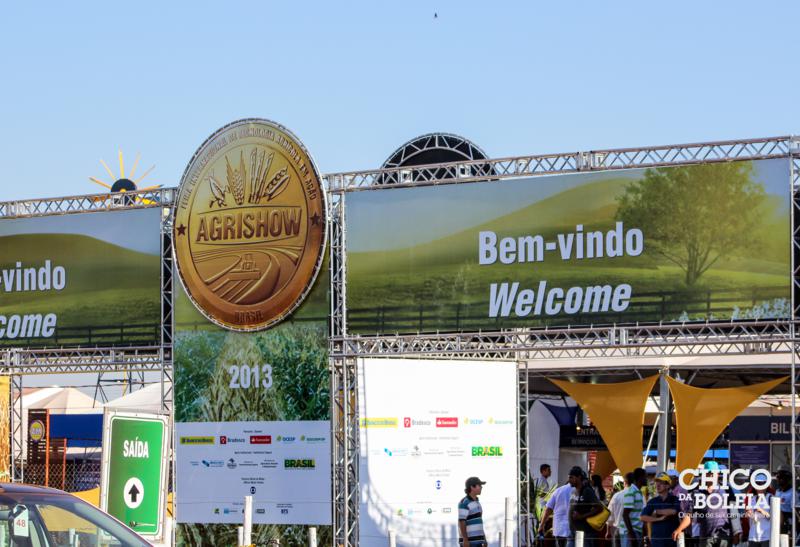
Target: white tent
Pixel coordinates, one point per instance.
(59, 400)
(147, 399)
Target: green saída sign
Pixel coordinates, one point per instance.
(135, 448)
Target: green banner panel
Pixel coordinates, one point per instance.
(85, 279)
(672, 244)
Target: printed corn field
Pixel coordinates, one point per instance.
(298, 354)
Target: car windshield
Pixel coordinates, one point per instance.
(40, 519)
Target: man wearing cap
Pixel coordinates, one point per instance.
(470, 515)
(661, 512)
(584, 505)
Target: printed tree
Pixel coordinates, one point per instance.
(695, 215)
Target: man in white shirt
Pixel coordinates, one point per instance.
(758, 512)
(616, 527)
(540, 491)
(558, 506)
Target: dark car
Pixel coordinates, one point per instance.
(33, 516)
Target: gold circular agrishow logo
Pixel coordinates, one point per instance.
(249, 225)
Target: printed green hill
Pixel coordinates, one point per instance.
(592, 205)
(106, 284)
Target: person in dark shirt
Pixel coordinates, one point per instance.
(584, 505)
(661, 512)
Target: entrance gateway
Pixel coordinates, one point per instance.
(721, 348)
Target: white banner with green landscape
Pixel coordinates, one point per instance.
(672, 244)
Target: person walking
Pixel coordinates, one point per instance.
(470, 515)
(632, 509)
(584, 506)
(541, 489)
(597, 484)
(616, 527)
(661, 512)
(558, 507)
(783, 477)
(758, 513)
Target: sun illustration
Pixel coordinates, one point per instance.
(126, 183)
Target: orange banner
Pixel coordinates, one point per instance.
(617, 410)
(702, 414)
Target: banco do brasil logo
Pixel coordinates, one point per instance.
(249, 225)
(491, 451)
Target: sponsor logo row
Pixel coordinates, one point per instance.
(232, 463)
(429, 511)
(476, 452)
(252, 439)
(439, 421)
(282, 508)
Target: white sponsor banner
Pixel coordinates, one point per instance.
(285, 466)
(426, 426)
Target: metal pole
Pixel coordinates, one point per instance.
(579, 538)
(240, 535)
(312, 536)
(509, 529)
(663, 422)
(248, 520)
(775, 521)
(392, 538)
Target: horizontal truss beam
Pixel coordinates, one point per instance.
(615, 341)
(572, 162)
(83, 360)
(449, 173)
(144, 199)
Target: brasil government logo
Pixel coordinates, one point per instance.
(249, 225)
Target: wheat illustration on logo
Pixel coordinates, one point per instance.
(259, 187)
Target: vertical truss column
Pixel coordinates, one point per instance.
(794, 170)
(345, 452)
(167, 315)
(344, 391)
(15, 400)
(525, 512)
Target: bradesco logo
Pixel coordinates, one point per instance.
(260, 439)
(445, 421)
(224, 439)
(197, 440)
(484, 451)
(410, 422)
(299, 464)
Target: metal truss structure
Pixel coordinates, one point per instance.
(129, 361)
(521, 345)
(525, 345)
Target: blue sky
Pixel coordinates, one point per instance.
(354, 80)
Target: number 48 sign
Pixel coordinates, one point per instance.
(133, 486)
